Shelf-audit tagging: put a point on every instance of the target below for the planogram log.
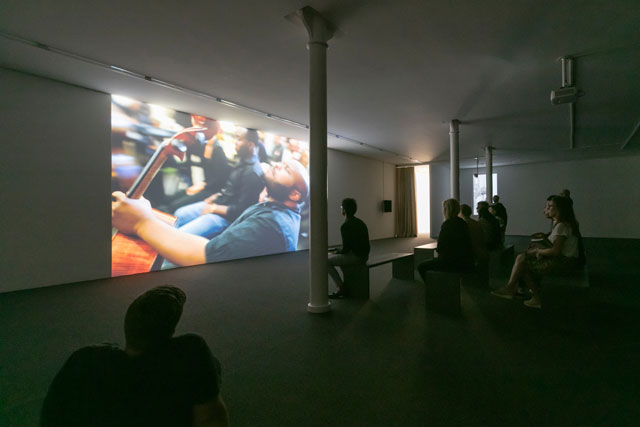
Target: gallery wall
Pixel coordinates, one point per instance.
(369, 182)
(604, 192)
(55, 176)
(55, 173)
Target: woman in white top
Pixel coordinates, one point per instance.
(561, 255)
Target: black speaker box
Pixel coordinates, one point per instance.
(386, 205)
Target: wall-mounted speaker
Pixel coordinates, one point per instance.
(386, 206)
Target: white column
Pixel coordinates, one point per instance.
(454, 159)
(320, 31)
(488, 155)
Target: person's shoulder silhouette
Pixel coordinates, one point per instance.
(156, 380)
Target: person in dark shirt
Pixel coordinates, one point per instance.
(213, 215)
(355, 245)
(490, 225)
(479, 249)
(455, 251)
(157, 380)
(500, 212)
(213, 162)
(265, 228)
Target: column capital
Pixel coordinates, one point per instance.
(320, 30)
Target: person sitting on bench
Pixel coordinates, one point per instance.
(490, 225)
(480, 252)
(455, 253)
(563, 255)
(355, 245)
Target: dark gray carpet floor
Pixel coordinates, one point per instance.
(386, 361)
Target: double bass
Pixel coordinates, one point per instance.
(130, 254)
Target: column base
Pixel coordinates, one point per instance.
(318, 309)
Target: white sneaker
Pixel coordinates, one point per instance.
(533, 303)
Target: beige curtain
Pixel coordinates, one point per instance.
(406, 214)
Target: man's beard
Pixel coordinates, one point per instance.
(278, 191)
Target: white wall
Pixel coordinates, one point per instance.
(369, 182)
(55, 176)
(604, 191)
(54, 171)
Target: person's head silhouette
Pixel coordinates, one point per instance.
(151, 319)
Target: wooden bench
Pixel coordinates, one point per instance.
(356, 277)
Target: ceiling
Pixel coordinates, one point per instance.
(398, 71)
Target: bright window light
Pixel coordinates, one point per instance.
(422, 199)
(480, 188)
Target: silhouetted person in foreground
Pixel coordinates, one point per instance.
(157, 380)
(355, 245)
(455, 253)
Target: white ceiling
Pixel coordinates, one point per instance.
(398, 71)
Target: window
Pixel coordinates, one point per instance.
(480, 188)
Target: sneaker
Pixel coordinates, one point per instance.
(502, 293)
(533, 303)
(337, 295)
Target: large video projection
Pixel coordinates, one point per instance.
(189, 189)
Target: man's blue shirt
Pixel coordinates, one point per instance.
(262, 229)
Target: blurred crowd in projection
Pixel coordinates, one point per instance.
(207, 177)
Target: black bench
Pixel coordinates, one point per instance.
(566, 293)
(442, 290)
(424, 252)
(499, 264)
(356, 277)
(501, 261)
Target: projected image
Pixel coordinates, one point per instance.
(188, 189)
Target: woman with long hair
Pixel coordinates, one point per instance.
(561, 255)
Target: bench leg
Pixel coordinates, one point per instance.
(356, 280)
(442, 292)
(402, 268)
(479, 278)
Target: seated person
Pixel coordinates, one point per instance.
(500, 212)
(490, 225)
(214, 164)
(563, 255)
(501, 223)
(480, 253)
(211, 216)
(355, 245)
(157, 380)
(455, 253)
(540, 238)
(264, 228)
